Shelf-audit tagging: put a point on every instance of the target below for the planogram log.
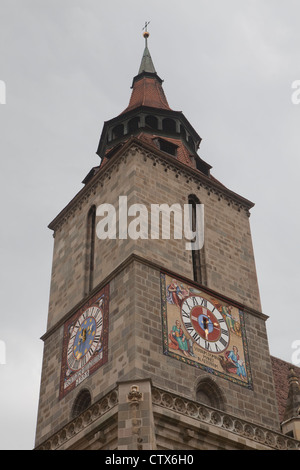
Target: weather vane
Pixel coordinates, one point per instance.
(146, 34)
(145, 27)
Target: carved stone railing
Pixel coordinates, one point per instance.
(232, 424)
(81, 422)
(170, 401)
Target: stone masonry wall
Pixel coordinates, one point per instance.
(229, 254)
(136, 352)
(135, 334)
(258, 405)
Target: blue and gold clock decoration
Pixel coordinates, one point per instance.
(85, 342)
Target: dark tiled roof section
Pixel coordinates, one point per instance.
(280, 373)
(183, 155)
(147, 91)
(104, 161)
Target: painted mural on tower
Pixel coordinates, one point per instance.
(204, 331)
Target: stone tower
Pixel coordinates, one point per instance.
(154, 341)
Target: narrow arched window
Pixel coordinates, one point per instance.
(152, 122)
(90, 249)
(118, 131)
(198, 257)
(81, 403)
(183, 132)
(210, 394)
(169, 126)
(133, 125)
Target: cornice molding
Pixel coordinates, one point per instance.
(82, 422)
(146, 262)
(169, 402)
(232, 425)
(135, 147)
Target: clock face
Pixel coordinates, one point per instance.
(85, 343)
(85, 337)
(204, 330)
(205, 324)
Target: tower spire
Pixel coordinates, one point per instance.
(147, 85)
(149, 117)
(147, 63)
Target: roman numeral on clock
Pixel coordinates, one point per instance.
(83, 361)
(189, 326)
(223, 341)
(73, 363)
(96, 311)
(96, 339)
(196, 337)
(90, 353)
(185, 314)
(84, 315)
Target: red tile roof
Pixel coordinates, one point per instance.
(183, 155)
(147, 91)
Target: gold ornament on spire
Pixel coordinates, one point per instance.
(146, 33)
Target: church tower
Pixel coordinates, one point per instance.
(155, 340)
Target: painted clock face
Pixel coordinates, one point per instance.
(204, 330)
(205, 324)
(85, 338)
(85, 342)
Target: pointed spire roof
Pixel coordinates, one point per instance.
(147, 63)
(149, 118)
(147, 87)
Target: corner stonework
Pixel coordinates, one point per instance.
(135, 416)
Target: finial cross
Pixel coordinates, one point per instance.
(146, 34)
(145, 27)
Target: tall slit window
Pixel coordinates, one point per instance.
(90, 249)
(197, 255)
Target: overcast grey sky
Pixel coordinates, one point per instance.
(68, 66)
